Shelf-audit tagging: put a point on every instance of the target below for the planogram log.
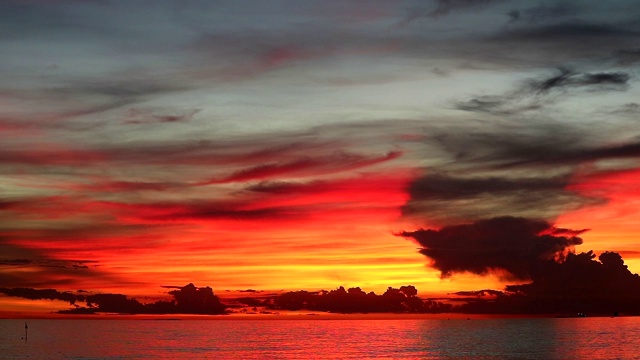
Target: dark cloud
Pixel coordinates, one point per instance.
(627, 57)
(536, 93)
(336, 162)
(441, 8)
(542, 12)
(122, 186)
(548, 34)
(515, 172)
(122, 90)
(581, 155)
(568, 32)
(75, 99)
(145, 116)
(445, 7)
(29, 258)
(196, 300)
(441, 186)
(23, 266)
(544, 147)
(628, 108)
(525, 163)
(59, 157)
(196, 211)
(50, 263)
(525, 44)
(248, 53)
(318, 186)
(355, 300)
(579, 284)
(499, 105)
(187, 299)
(593, 81)
(38, 294)
(479, 293)
(513, 245)
(285, 187)
(448, 199)
(230, 151)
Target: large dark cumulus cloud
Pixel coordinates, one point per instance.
(579, 284)
(512, 244)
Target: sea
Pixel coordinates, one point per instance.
(309, 338)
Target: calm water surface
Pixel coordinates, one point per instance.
(571, 338)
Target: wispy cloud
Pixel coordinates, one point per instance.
(309, 165)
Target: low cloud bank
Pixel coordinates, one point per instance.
(187, 299)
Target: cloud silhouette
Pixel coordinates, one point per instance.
(187, 299)
(355, 300)
(579, 284)
(509, 244)
(445, 7)
(37, 294)
(196, 300)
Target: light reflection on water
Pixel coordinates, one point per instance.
(571, 338)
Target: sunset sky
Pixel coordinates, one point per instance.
(281, 145)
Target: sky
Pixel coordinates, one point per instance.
(283, 145)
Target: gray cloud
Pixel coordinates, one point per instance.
(627, 57)
(525, 162)
(448, 199)
(537, 93)
(571, 79)
(442, 8)
(542, 12)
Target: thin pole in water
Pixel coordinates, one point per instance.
(26, 333)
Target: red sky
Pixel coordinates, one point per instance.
(276, 146)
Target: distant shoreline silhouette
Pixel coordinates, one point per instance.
(578, 285)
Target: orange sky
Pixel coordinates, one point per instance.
(279, 147)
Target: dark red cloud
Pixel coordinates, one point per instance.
(340, 161)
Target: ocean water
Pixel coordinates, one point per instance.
(562, 338)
